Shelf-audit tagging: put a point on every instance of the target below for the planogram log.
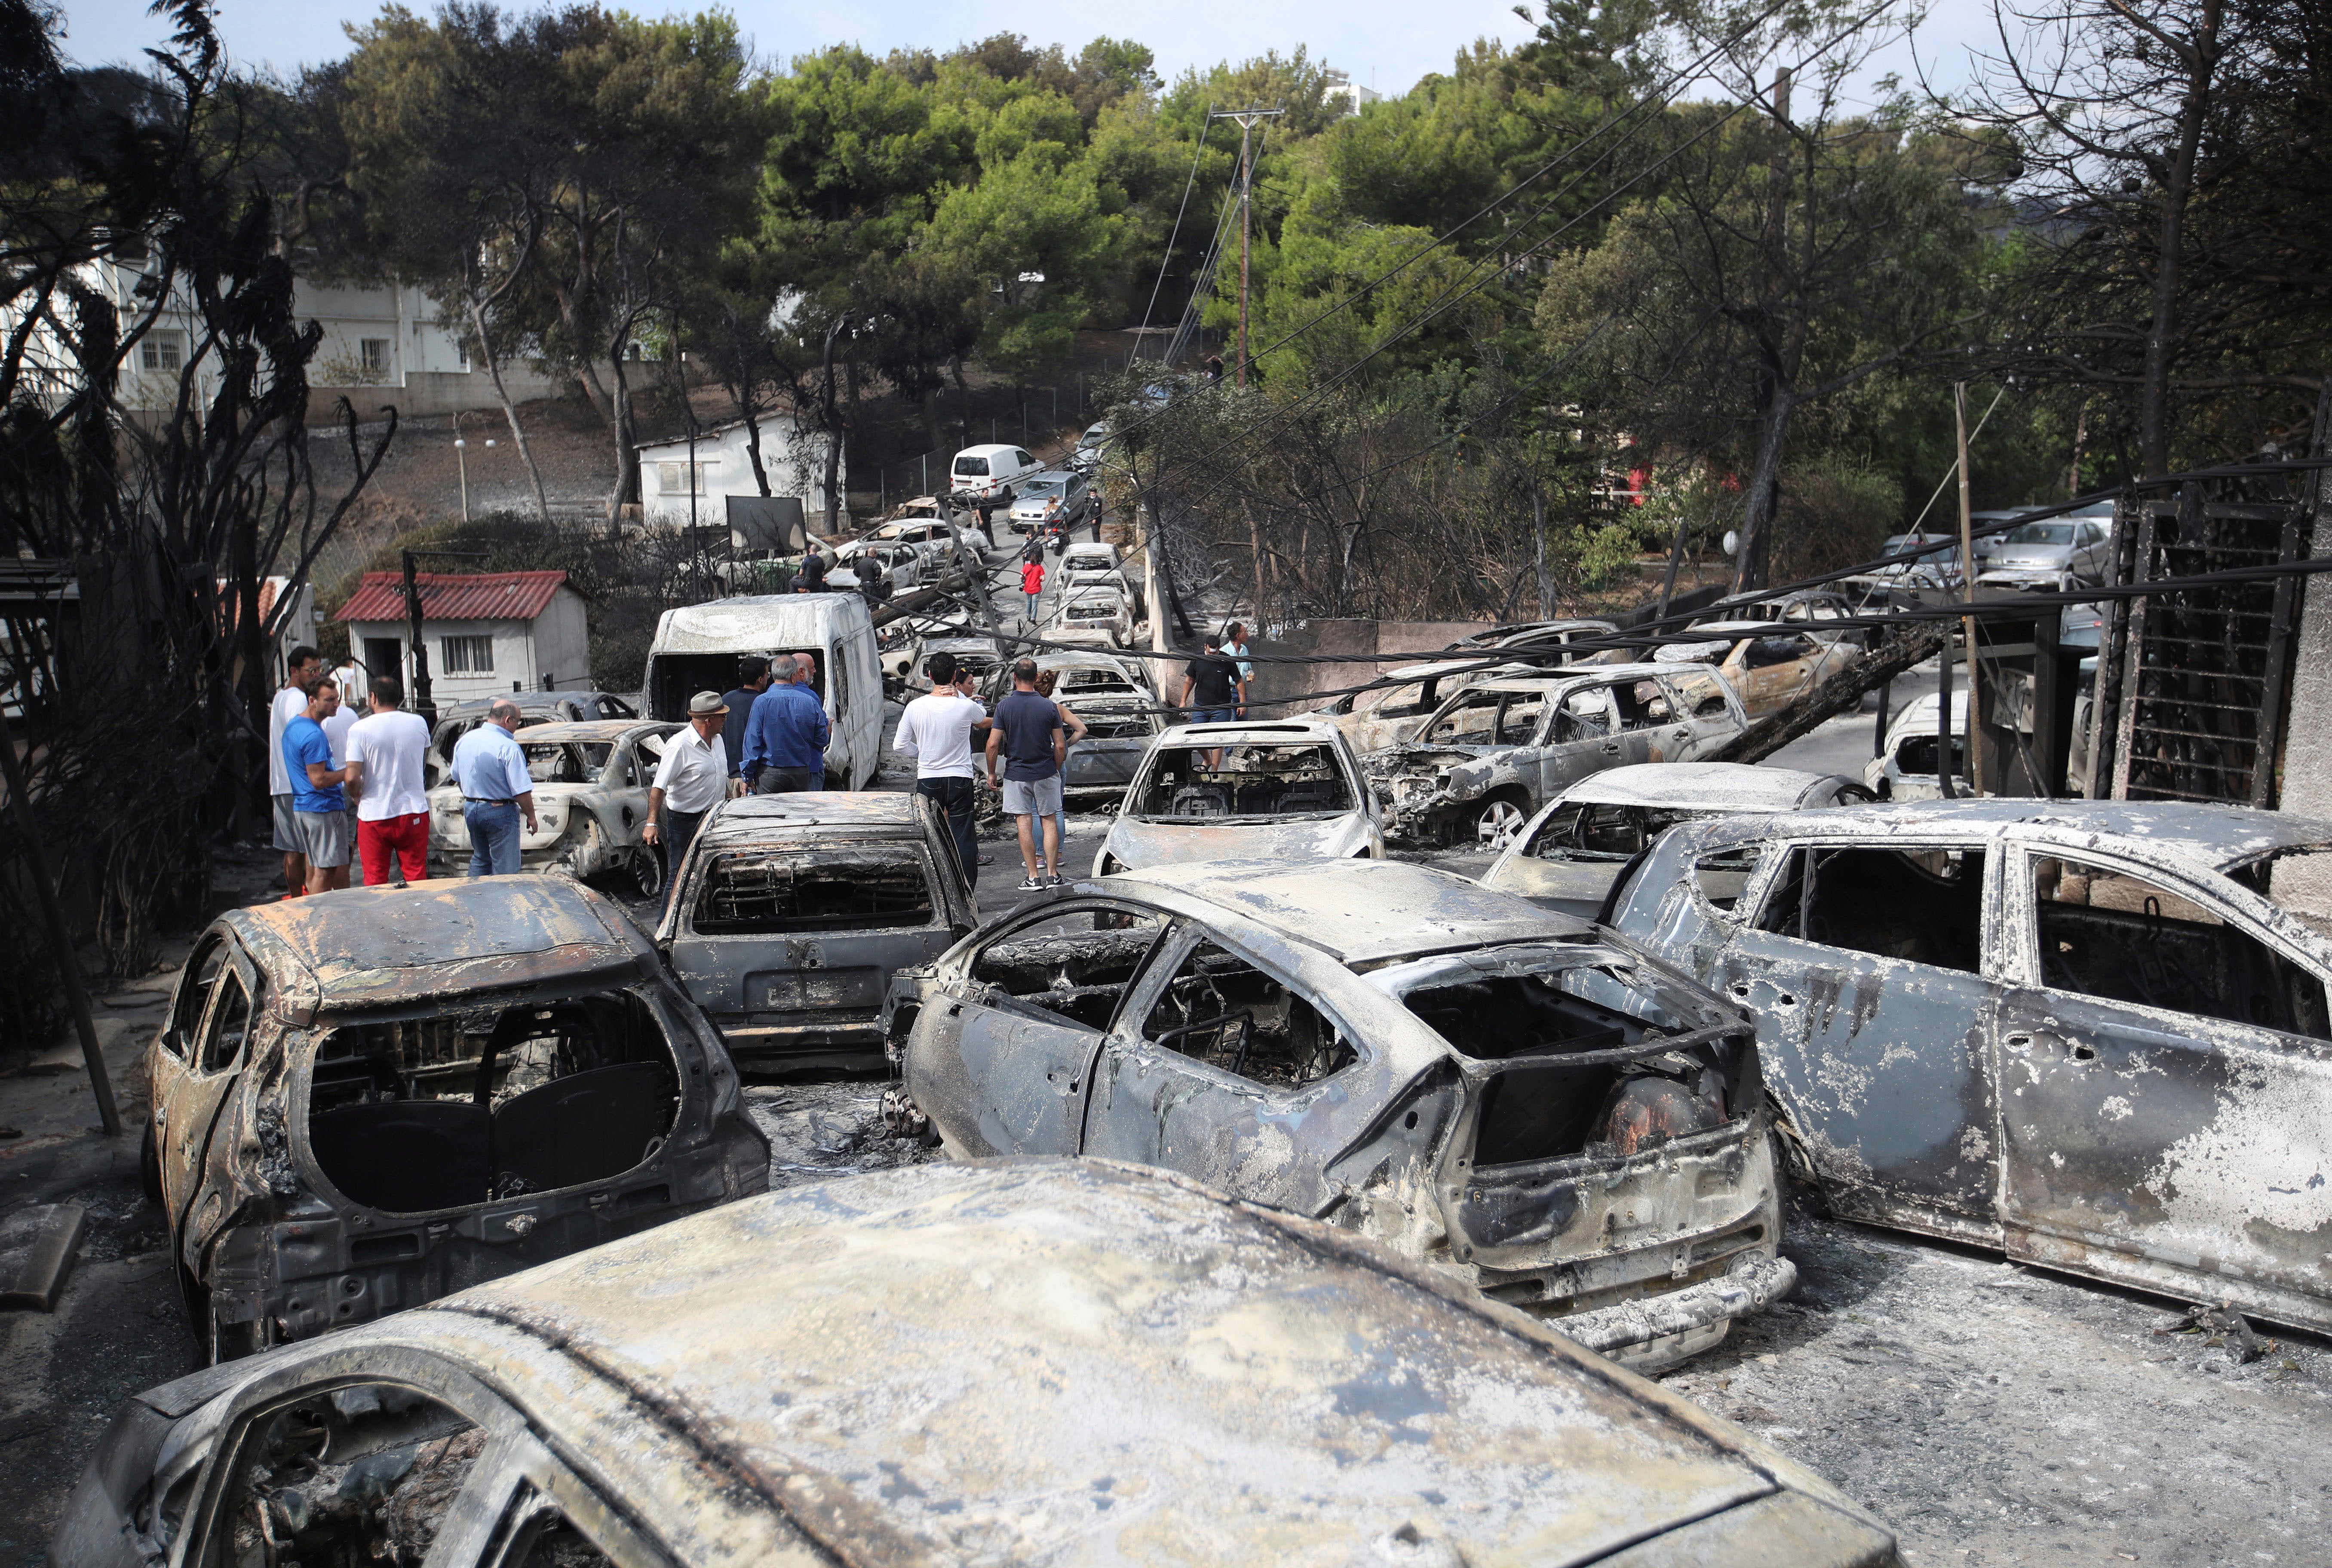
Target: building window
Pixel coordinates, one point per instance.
(372, 353)
(164, 351)
(672, 477)
(469, 655)
(465, 357)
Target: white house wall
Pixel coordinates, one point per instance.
(562, 642)
(794, 460)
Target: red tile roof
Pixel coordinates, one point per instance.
(454, 596)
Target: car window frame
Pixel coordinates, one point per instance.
(223, 941)
(1183, 934)
(969, 952)
(241, 968)
(2221, 895)
(1992, 939)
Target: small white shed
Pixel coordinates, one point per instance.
(794, 458)
(485, 632)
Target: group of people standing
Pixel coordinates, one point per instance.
(336, 777)
(1027, 744)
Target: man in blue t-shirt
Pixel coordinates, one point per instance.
(318, 808)
(1034, 737)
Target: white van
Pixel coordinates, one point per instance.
(988, 473)
(697, 648)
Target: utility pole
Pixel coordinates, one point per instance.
(1968, 586)
(1246, 118)
(422, 704)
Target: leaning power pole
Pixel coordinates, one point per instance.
(1246, 118)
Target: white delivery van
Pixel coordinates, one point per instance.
(990, 474)
(697, 648)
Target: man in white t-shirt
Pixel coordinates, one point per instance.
(936, 731)
(303, 670)
(385, 756)
(335, 736)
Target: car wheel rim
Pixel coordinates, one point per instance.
(1498, 823)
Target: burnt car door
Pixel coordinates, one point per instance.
(1001, 1059)
(214, 1066)
(1865, 967)
(172, 1064)
(1706, 713)
(1212, 1070)
(1580, 736)
(2165, 1077)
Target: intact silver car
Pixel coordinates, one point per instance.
(2093, 1036)
(2055, 555)
(1286, 790)
(792, 911)
(1063, 497)
(1053, 1363)
(1497, 751)
(1483, 1084)
(1567, 857)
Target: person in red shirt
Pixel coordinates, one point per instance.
(1032, 583)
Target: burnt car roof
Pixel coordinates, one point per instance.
(361, 949)
(1158, 1361)
(590, 729)
(1294, 730)
(849, 811)
(1736, 786)
(1571, 675)
(2217, 836)
(1363, 911)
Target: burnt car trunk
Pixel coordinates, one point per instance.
(1101, 766)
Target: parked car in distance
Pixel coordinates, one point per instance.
(1904, 767)
(990, 474)
(697, 648)
(2092, 1035)
(1935, 569)
(456, 719)
(1567, 857)
(591, 784)
(863, 562)
(791, 912)
(1481, 1083)
(1144, 1354)
(2055, 555)
(1056, 496)
(1088, 565)
(1100, 608)
(1497, 751)
(922, 523)
(1283, 790)
(368, 1099)
(1087, 454)
(1769, 666)
(1377, 717)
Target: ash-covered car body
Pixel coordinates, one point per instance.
(1499, 750)
(1483, 1083)
(365, 1099)
(1536, 635)
(1567, 857)
(1285, 790)
(1096, 607)
(456, 719)
(1089, 1364)
(792, 911)
(1770, 666)
(591, 784)
(1377, 717)
(2092, 1035)
(1904, 767)
(974, 653)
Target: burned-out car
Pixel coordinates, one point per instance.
(1037, 1362)
(1485, 1085)
(1497, 751)
(365, 1099)
(1771, 667)
(591, 784)
(791, 911)
(1568, 856)
(1280, 790)
(1906, 766)
(1380, 716)
(2093, 1036)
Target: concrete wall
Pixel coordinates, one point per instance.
(1355, 649)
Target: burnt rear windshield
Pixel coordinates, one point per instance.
(753, 893)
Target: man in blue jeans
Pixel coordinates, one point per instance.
(786, 735)
(1214, 681)
(496, 790)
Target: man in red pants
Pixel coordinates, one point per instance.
(385, 774)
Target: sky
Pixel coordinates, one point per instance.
(1380, 43)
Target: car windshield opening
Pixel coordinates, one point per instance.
(1588, 831)
(1253, 782)
(553, 762)
(2041, 534)
(1921, 906)
(461, 1107)
(362, 1472)
(1528, 1001)
(1041, 488)
(757, 893)
(1074, 964)
(1225, 1012)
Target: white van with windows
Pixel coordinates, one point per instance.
(697, 648)
(989, 473)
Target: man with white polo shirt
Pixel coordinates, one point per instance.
(690, 780)
(936, 731)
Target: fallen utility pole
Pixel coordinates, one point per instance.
(53, 915)
(1835, 696)
(922, 598)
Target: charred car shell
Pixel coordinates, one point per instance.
(1082, 1363)
(1485, 1085)
(2091, 1036)
(365, 1100)
(1288, 790)
(591, 784)
(792, 911)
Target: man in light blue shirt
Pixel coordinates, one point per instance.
(496, 790)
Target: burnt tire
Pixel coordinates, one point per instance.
(150, 1167)
(647, 872)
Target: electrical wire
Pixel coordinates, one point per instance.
(1166, 257)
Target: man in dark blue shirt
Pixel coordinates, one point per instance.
(753, 679)
(784, 738)
(1032, 734)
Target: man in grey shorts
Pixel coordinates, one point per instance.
(1033, 736)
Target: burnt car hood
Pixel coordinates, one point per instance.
(1138, 844)
(1415, 760)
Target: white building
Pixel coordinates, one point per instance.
(1343, 90)
(486, 632)
(793, 457)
